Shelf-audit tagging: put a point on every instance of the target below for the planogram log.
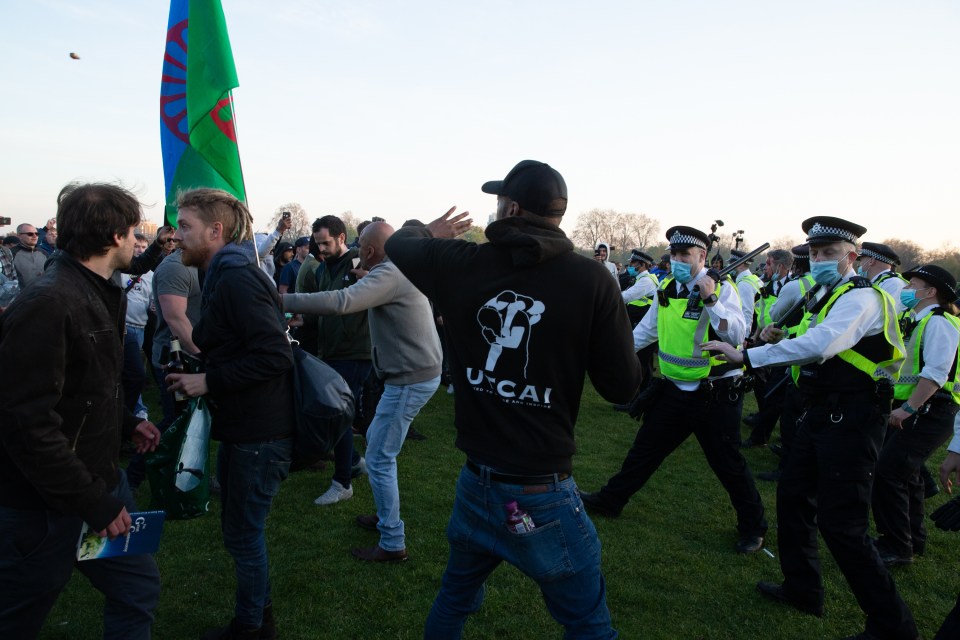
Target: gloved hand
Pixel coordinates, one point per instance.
(947, 516)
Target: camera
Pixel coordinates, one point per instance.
(286, 214)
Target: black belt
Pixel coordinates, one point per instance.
(507, 478)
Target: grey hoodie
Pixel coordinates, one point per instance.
(403, 336)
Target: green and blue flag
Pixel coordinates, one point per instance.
(197, 133)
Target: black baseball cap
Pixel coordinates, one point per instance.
(535, 186)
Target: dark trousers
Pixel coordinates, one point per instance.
(354, 372)
(38, 551)
(827, 482)
(898, 492)
(769, 406)
(133, 377)
(950, 629)
(714, 418)
(790, 416)
(136, 468)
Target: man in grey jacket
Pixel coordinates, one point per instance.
(406, 355)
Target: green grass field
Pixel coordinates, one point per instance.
(669, 563)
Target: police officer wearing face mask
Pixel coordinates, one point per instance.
(644, 285)
(928, 394)
(638, 298)
(848, 351)
(768, 391)
(878, 263)
(699, 395)
(775, 270)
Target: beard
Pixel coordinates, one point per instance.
(193, 257)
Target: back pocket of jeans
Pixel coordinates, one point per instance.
(542, 553)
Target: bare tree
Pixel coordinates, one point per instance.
(784, 242)
(298, 215)
(593, 226)
(911, 254)
(946, 256)
(638, 230)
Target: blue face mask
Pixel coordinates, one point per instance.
(825, 273)
(681, 271)
(631, 271)
(775, 276)
(861, 271)
(909, 298)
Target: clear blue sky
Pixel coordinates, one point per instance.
(758, 113)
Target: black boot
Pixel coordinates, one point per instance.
(234, 631)
(268, 628)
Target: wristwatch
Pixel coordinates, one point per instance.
(711, 299)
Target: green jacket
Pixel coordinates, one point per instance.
(345, 337)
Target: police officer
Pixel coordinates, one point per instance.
(800, 285)
(848, 351)
(698, 395)
(879, 263)
(929, 389)
(638, 298)
(640, 293)
(749, 287)
(776, 270)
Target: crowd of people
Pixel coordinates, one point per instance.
(856, 362)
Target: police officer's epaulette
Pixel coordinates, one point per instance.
(859, 282)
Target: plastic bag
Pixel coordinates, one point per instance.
(178, 471)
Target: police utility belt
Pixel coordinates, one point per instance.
(939, 400)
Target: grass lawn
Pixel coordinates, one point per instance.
(669, 563)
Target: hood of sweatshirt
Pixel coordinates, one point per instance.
(232, 255)
(529, 238)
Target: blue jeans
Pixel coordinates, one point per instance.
(134, 376)
(354, 372)
(250, 475)
(38, 551)
(397, 408)
(562, 555)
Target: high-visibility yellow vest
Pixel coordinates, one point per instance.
(680, 334)
(889, 368)
(806, 283)
(765, 302)
(645, 302)
(910, 373)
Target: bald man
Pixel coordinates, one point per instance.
(406, 356)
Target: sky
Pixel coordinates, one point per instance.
(760, 114)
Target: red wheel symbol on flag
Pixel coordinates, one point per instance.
(173, 88)
(222, 116)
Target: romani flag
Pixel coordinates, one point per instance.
(197, 133)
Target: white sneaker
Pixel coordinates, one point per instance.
(361, 466)
(450, 389)
(336, 493)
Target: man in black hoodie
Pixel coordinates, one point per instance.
(525, 318)
(248, 368)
